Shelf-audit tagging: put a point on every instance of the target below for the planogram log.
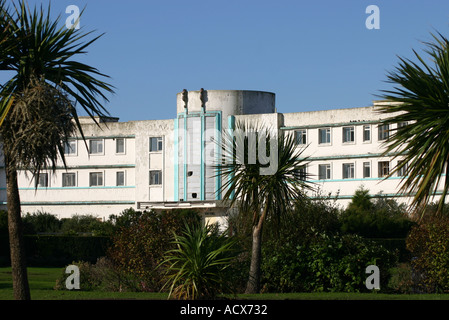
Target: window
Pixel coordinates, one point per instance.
(155, 144)
(324, 135)
(120, 178)
(70, 147)
(69, 179)
(348, 134)
(96, 146)
(42, 180)
(301, 173)
(119, 145)
(155, 177)
(348, 171)
(96, 179)
(366, 169)
(324, 171)
(402, 171)
(384, 168)
(383, 132)
(366, 133)
(301, 136)
(402, 124)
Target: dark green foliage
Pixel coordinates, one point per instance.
(197, 268)
(41, 222)
(428, 243)
(375, 218)
(57, 250)
(139, 246)
(327, 263)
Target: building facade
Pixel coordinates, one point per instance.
(166, 164)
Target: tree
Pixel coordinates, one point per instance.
(419, 101)
(255, 189)
(37, 105)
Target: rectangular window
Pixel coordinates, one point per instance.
(120, 178)
(384, 168)
(96, 179)
(155, 144)
(348, 134)
(301, 136)
(70, 147)
(42, 180)
(324, 171)
(301, 173)
(324, 135)
(155, 177)
(366, 133)
(119, 145)
(69, 179)
(384, 132)
(402, 172)
(366, 169)
(96, 146)
(348, 171)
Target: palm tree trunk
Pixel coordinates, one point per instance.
(17, 249)
(253, 284)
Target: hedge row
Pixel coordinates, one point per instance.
(57, 250)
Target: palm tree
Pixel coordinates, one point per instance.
(254, 192)
(420, 103)
(38, 105)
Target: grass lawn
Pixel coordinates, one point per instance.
(42, 281)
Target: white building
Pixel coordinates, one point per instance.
(161, 164)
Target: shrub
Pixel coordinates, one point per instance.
(328, 263)
(138, 247)
(196, 267)
(428, 243)
(401, 280)
(379, 218)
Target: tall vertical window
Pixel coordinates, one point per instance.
(301, 136)
(324, 171)
(120, 145)
(96, 146)
(69, 179)
(366, 169)
(348, 171)
(155, 177)
(348, 134)
(383, 132)
(70, 147)
(324, 135)
(42, 180)
(366, 133)
(384, 168)
(155, 144)
(120, 178)
(96, 179)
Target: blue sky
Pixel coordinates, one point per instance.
(313, 55)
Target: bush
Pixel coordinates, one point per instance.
(428, 243)
(379, 218)
(139, 246)
(101, 276)
(328, 263)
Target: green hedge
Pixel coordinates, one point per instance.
(57, 250)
